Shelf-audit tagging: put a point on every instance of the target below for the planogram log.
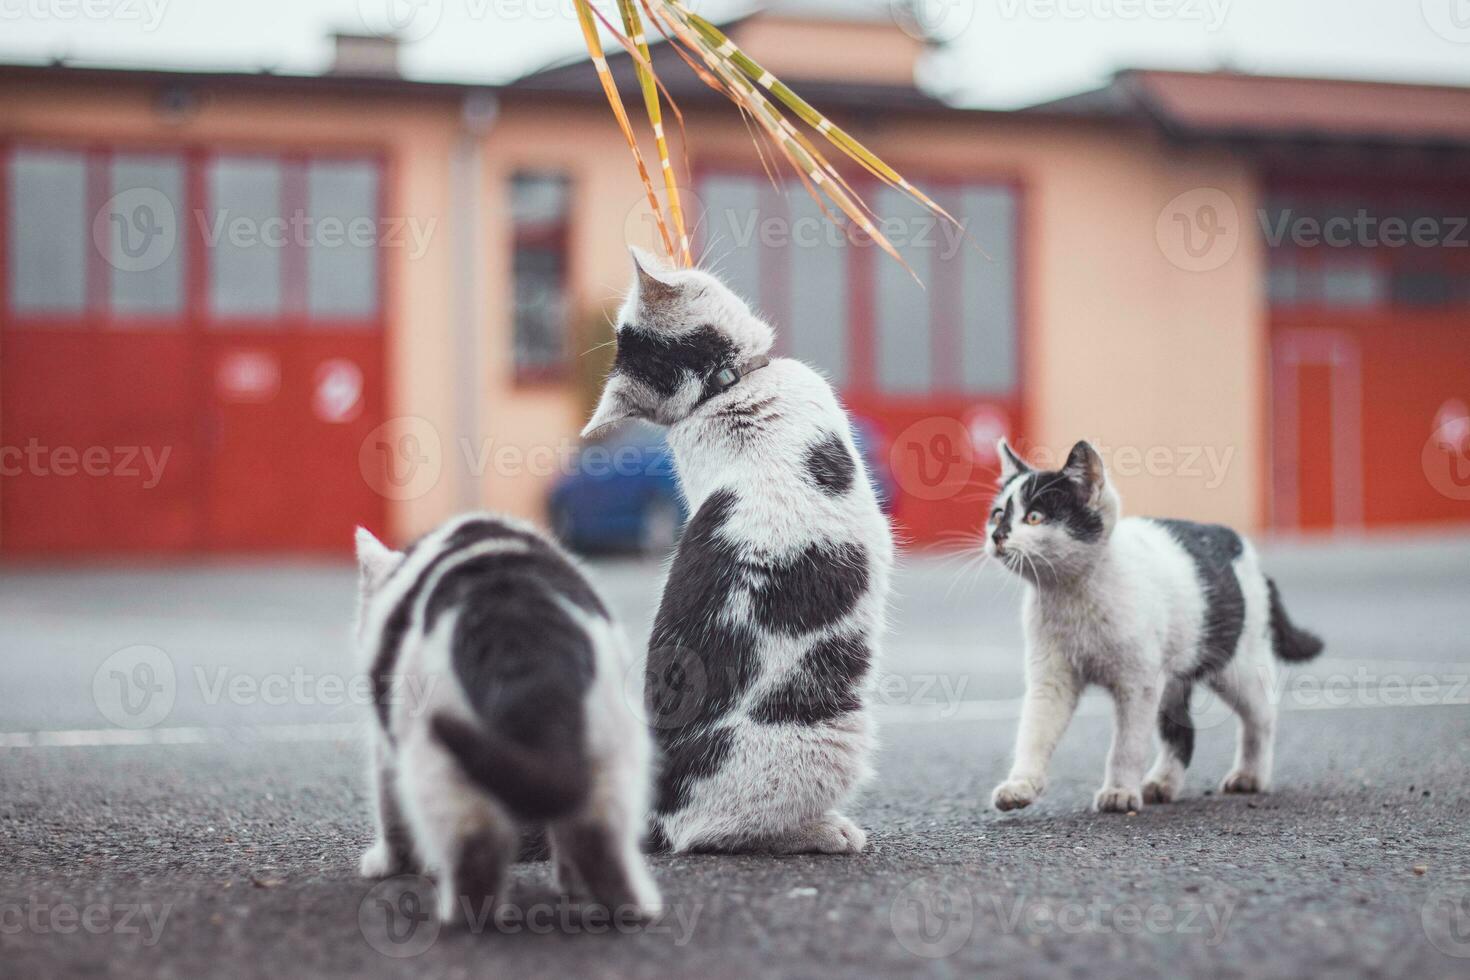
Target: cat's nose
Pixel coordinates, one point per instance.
(999, 537)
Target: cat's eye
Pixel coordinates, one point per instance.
(1035, 517)
(995, 516)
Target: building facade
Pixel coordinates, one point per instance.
(244, 312)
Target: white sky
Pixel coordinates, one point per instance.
(1005, 52)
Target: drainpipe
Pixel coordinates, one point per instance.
(478, 113)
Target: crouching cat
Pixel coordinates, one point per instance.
(521, 719)
(773, 605)
(1146, 609)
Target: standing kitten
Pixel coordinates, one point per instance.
(1145, 608)
(523, 719)
(775, 598)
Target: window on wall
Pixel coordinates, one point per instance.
(957, 334)
(1365, 251)
(247, 225)
(539, 204)
(292, 239)
(342, 260)
(107, 238)
(145, 256)
(48, 232)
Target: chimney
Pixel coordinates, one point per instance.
(365, 55)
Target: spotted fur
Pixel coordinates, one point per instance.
(774, 601)
(1144, 608)
(521, 721)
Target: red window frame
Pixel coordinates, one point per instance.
(1388, 197)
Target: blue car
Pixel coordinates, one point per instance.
(622, 494)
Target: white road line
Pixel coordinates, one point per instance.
(1093, 705)
(91, 737)
(999, 709)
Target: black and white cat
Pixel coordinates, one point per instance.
(775, 599)
(523, 721)
(1146, 609)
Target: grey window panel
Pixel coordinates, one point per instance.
(538, 198)
(342, 250)
(48, 232)
(731, 233)
(905, 319)
(989, 327)
(817, 326)
(147, 239)
(246, 257)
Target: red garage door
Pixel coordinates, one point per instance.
(933, 370)
(190, 350)
(1370, 293)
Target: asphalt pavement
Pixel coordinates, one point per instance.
(183, 794)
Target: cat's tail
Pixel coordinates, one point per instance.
(533, 784)
(1291, 643)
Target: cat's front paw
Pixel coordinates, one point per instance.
(1116, 799)
(1159, 791)
(1242, 781)
(379, 861)
(1015, 794)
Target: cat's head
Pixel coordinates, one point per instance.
(1051, 524)
(677, 331)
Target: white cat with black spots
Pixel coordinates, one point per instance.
(1145, 609)
(775, 600)
(524, 724)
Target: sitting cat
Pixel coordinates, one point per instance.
(523, 721)
(775, 599)
(1144, 608)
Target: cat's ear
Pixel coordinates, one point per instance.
(375, 561)
(1085, 466)
(651, 282)
(613, 407)
(1010, 463)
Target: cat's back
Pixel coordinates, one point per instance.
(491, 599)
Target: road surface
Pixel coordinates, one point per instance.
(182, 794)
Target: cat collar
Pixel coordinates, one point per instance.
(728, 377)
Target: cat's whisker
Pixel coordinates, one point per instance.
(598, 347)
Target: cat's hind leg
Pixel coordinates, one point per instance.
(1176, 744)
(1246, 685)
(599, 859)
(467, 838)
(392, 851)
(831, 833)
